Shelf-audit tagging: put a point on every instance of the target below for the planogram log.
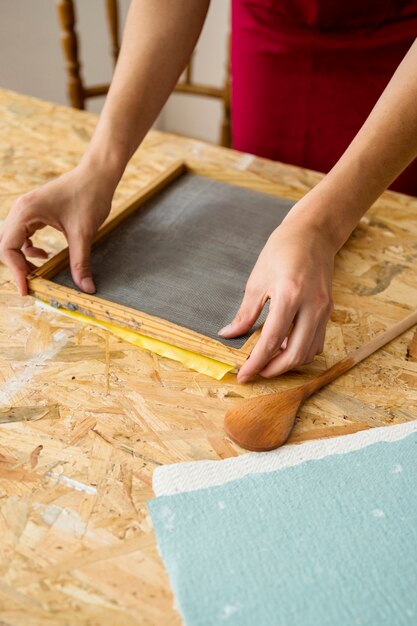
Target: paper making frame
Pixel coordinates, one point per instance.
(42, 287)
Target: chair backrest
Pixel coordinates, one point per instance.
(78, 92)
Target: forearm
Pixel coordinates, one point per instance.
(158, 40)
(382, 149)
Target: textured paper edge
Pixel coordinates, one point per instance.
(182, 477)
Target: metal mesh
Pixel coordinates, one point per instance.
(186, 255)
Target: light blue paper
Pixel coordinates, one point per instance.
(328, 542)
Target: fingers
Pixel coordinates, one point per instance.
(80, 253)
(15, 242)
(274, 332)
(317, 346)
(20, 268)
(304, 343)
(318, 343)
(30, 250)
(274, 353)
(11, 254)
(298, 349)
(62, 204)
(249, 311)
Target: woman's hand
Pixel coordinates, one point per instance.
(294, 271)
(158, 40)
(76, 203)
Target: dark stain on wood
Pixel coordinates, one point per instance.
(378, 278)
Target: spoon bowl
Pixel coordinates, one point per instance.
(265, 422)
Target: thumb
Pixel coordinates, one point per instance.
(80, 252)
(249, 311)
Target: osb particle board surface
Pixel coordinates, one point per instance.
(85, 418)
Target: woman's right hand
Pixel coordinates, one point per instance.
(76, 203)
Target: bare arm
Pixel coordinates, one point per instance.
(295, 268)
(157, 43)
(159, 38)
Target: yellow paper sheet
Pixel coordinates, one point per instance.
(197, 362)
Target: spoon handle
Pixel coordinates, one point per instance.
(358, 355)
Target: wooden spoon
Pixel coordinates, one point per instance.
(265, 422)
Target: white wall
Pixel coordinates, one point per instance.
(31, 61)
(195, 116)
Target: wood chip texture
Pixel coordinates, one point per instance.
(85, 418)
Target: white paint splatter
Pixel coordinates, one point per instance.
(197, 149)
(49, 514)
(12, 387)
(228, 610)
(244, 161)
(397, 469)
(60, 335)
(61, 519)
(167, 516)
(221, 504)
(72, 483)
(378, 513)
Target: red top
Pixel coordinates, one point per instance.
(306, 74)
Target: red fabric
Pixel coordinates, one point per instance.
(306, 74)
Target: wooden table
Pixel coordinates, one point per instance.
(85, 418)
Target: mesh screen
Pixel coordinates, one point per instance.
(186, 255)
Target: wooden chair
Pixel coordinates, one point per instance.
(78, 93)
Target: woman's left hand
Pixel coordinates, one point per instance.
(294, 271)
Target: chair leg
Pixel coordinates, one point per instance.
(226, 126)
(69, 42)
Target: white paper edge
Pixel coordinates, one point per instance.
(181, 477)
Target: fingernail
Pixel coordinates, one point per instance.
(87, 285)
(224, 331)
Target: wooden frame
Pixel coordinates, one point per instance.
(41, 286)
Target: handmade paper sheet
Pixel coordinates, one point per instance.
(327, 540)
